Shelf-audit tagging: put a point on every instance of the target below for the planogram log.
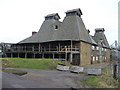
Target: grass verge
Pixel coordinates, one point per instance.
(29, 63)
(106, 80)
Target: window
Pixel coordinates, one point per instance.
(93, 47)
(97, 48)
(56, 27)
(93, 58)
(97, 58)
(105, 58)
(105, 49)
(102, 49)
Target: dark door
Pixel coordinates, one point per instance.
(76, 59)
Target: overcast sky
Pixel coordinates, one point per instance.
(18, 18)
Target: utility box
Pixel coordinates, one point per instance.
(94, 71)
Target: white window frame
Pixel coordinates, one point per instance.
(105, 57)
(102, 49)
(93, 47)
(96, 58)
(93, 58)
(105, 49)
(97, 48)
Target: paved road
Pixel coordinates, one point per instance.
(43, 79)
(37, 78)
(15, 81)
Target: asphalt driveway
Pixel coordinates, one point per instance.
(45, 79)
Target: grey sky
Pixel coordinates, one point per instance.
(18, 18)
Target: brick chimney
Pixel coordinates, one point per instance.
(33, 32)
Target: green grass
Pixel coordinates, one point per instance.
(29, 63)
(64, 63)
(104, 81)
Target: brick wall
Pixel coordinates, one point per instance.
(108, 54)
(85, 53)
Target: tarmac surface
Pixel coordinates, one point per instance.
(37, 78)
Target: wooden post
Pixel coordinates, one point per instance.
(42, 55)
(75, 48)
(59, 47)
(66, 55)
(39, 47)
(34, 56)
(33, 48)
(25, 48)
(11, 55)
(18, 55)
(59, 56)
(25, 55)
(49, 47)
(53, 55)
(44, 49)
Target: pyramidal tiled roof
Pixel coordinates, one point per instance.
(99, 36)
(72, 28)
